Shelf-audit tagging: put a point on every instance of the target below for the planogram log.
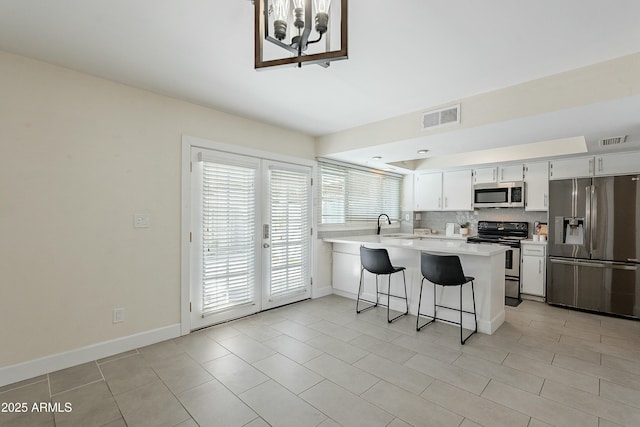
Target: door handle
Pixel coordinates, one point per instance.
(595, 264)
(540, 266)
(265, 245)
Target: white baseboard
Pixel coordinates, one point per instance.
(55, 362)
(321, 292)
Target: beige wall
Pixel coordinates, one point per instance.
(78, 157)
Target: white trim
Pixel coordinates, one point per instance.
(188, 142)
(322, 292)
(55, 362)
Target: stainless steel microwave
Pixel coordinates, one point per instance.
(499, 195)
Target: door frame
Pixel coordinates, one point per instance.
(189, 142)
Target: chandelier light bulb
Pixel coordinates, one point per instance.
(322, 6)
(322, 15)
(298, 13)
(280, 11)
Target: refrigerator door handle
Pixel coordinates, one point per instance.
(588, 224)
(594, 218)
(594, 264)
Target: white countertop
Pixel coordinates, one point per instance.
(410, 242)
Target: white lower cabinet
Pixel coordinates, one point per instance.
(533, 271)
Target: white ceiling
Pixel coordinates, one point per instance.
(404, 55)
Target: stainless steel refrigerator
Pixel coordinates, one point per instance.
(594, 236)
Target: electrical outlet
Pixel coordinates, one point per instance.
(141, 221)
(118, 315)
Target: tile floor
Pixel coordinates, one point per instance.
(316, 363)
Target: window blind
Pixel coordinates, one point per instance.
(351, 194)
(228, 214)
(290, 231)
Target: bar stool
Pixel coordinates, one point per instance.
(377, 261)
(445, 270)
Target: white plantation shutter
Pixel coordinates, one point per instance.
(353, 194)
(228, 236)
(290, 231)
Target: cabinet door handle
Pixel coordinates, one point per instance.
(600, 164)
(540, 266)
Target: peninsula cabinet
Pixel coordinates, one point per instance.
(444, 191)
(536, 181)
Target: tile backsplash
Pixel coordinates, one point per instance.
(438, 220)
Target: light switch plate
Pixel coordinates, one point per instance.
(141, 221)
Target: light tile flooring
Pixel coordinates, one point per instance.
(316, 363)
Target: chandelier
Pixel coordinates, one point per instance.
(299, 31)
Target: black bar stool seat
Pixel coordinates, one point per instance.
(376, 261)
(445, 270)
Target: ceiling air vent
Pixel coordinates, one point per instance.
(441, 117)
(614, 140)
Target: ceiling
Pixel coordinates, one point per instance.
(404, 56)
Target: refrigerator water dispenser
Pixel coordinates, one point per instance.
(569, 230)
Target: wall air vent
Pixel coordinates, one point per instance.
(614, 140)
(444, 116)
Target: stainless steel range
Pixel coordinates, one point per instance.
(508, 234)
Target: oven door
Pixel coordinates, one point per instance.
(512, 262)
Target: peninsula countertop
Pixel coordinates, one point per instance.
(418, 244)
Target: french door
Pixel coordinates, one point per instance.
(251, 240)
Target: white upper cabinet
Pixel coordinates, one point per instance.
(407, 203)
(490, 175)
(581, 167)
(510, 173)
(457, 190)
(448, 191)
(618, 164)
(485, 175)
(427, 191)
(536, 193)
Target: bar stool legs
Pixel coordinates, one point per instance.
(460, 310)
(445, 271)
(376, 261)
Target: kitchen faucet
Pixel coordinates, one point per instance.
(380, 216)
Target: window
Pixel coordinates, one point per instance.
(355, 194)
